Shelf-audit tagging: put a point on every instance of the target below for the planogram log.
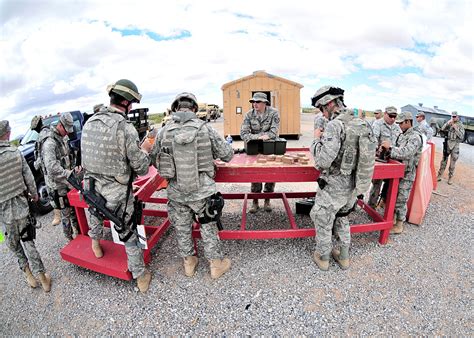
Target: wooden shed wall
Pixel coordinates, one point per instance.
(284, 96)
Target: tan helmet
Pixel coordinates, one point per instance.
(326, 94)
(186, 96)
(125, 88)
(67, 121)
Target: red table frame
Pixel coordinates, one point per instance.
(241, 169)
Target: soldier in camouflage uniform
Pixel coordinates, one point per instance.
(455, 135)
(183, 153)
(110, 172)
(423, 127)
(16, 180)
(320, 121)
(344, 155)
(377, 115)
(57, 166)
(44, 132)
(384, 130)
(260, 123)
(407, 149)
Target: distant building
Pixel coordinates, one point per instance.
(429, 112)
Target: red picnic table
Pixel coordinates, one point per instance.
(242, 169)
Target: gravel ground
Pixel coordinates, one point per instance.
(420, 283)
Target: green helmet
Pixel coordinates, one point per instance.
(326, 94)
(125, 88)
(184, 95)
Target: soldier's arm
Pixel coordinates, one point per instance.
(445, 126)
(246, 130)
(274, 127)
(28, 177)
(408, 151)
(326, 148)
(53, 166)
(220, 148)
(138, 159)
(429, 132)
(376, 129)
(459, 131)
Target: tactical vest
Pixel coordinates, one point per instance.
(62, 150)
(99, 145)
(185, 152)
(357, 152)
(11, 175)
(43, 136)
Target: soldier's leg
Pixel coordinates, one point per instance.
(269, 187)
(375, 192)
(341, 224)
(12, 235)
(34, 258)
(402, 198)
(323, 214)
(182, 218)
(454, 158)
(209, 234)
(442, 165)
(255, 187)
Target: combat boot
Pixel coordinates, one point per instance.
(397, 228)
(341, 257)
(57, 217)
(143, 282)
(97, 249)
(30, 278)
(321, 261)
(45, 281)
(266, 206)
(254, 207)
(219, 267)
(190, 265)
(450, 180)
(439, 177)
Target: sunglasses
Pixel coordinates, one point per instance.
(257, 101)
(392, 116)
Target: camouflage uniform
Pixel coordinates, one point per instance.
(256, 125)
(407, 150)
(191, 181)
(320, 121)
(15, 179)
(383, 132)
(425, 129)
(332, 153)
(56, 160)
(455, 136)
(110, 171)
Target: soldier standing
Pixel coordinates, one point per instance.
(56, 158)
(344, 155)
(407, 149)
(16, 181)
(455, 135)
(260, 123)
(423, 126)
(44, 132)
(384, 130)
(183, 154)
(111, 158)
(377, 115)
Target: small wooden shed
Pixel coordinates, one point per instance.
(283, 94)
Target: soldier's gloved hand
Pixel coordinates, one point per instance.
(360, 197)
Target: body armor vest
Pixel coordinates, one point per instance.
(357, 152)
(185, 152)
(101, 152)
(11, 178)
(43, 135)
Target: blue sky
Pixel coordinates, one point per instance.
(381, 52)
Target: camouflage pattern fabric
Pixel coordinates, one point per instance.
(455, 136)
(257, 187)
(320, 121)
(114, 188)
(256, 125)
(407, 150)
(182, 218)
(13, 213)
(39, 163)
(425, 129)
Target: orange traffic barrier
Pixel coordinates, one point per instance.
(423, 186)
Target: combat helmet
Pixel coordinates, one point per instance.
(326, 94)
(187, 97)
(125, 88)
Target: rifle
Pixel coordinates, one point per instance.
(445, 147)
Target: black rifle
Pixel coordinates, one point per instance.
(445, 147)
(97, 204)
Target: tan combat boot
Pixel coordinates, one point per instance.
(254, 207)
(30, 278)
(143, 282)
(57, 217)
(219, 267)
(96, 248)
(321, 261)
(190, 265)
(397, 228)
(341, 257)
(266, 206)
(45, 280)
(450, 180)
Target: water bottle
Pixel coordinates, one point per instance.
(229, 139)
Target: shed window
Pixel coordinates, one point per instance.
(238, 110)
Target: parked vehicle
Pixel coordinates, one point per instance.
(468, 122)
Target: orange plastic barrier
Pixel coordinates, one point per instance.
(423, 186)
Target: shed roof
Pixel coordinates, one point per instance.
(260, 73)
(427, 109)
